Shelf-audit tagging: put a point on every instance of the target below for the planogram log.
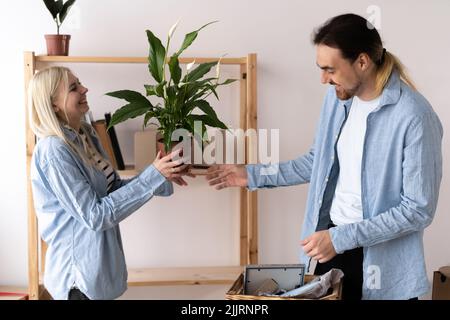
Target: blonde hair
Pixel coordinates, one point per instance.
(44, 122)
(390, 64)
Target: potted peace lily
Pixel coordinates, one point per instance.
(183, 101)
(58, 44)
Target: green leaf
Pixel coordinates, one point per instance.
(129, 111)
(51, 6)
(129, 95)
(213, 90)
(197, 89)
(168, 139)
(198, 83)
(190, 37)
(228, 81)
(200, 71)
(175, 70)
(59, 5)
(208, 120)
(138, 105)
(205, 119)
(157, 54)
(207, 109)
(188, 126)
(65, 10)
(194, 90)
(172, 93)
(155, 90)
(148, 116)
(150, 90)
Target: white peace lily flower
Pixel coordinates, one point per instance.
(172, 29)
(218, 68)
(190, 65)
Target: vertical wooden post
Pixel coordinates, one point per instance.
(43, 253)
(252, 197)
(33, 250)
(244, 249)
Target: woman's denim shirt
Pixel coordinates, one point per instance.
(80, 222)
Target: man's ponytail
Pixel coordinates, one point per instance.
(391, 63)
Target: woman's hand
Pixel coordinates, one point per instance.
(173, 170)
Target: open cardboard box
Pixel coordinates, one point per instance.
(238, 289)
(441, 284)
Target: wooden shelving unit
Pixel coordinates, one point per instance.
(156, 276)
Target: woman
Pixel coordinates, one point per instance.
(78, 197)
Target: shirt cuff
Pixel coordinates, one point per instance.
(164, 190)
(252, 173)
(153, 178)
(343, 238)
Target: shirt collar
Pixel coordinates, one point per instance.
(390, 94)
(69, 132)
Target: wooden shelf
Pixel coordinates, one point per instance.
(129, 172)
(73, 59)
(181, 276)
(13, 293)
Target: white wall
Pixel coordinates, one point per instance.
(289, 99)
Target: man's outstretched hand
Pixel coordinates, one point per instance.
(227, 175)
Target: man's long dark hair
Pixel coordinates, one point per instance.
(353, 35)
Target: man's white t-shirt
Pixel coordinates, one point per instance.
(346, 206)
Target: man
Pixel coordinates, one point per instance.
(374, 169)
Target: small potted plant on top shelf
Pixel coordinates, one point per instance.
(183, 97)
(58, 44)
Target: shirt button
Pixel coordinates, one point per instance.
(326, 180)
(332, 157)
(320, 201)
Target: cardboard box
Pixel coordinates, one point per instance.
(144, 148)
(236, 292)
(441, 284)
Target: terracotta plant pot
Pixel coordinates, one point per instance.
(57, 44)
(161, 147)
(214, 155)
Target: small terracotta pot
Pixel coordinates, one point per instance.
(161, 147)
(57, 44)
